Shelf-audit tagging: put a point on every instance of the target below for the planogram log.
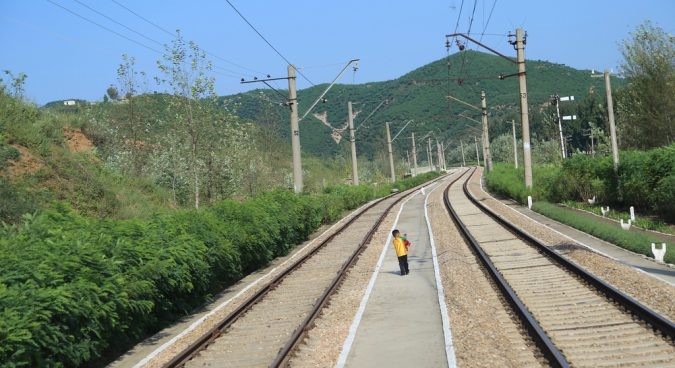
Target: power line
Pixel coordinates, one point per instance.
(172, 34)
(118, 23)
(128, 38)
(148, 21)
(488, 21)
(266, 41)
(471, 60)
(473, 13)
(105, 28)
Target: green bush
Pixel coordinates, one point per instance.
(506, 181)
(14, 202)
(633, 241)
(664, 201)
(645, 180)
(73, 288)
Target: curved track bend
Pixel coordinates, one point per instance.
(576, 319)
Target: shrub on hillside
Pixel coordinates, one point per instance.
(645, 180)
(73, 287)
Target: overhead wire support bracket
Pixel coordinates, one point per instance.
(401, 131)
(328, 88)
(385, 101)
(268, 79)
(482, 45)
(466, 103)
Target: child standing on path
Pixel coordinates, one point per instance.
(401, 252)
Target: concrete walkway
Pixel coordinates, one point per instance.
(401, 325)
(662, 272)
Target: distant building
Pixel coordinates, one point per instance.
(69, 103)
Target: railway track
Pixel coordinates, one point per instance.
(265, 329)
(575, 318)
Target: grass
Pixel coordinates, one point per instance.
(635, 242)
(640, 221)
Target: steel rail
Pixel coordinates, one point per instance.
(300, 332)
(546, 346)
(657, 321)
(200, 344)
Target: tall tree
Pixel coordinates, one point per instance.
(132, 121)
(187, 72)
(646, 106)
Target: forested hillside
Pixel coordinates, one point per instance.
(420, 95)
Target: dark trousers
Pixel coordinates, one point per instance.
(403, 264)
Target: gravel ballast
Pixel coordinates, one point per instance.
(483, 331)
(649, 291)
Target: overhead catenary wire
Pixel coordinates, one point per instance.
(173, 35)
(267, 42)
(223, 73)
(471, 60)
(119, 24)
(104, 27)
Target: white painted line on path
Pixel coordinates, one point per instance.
(201, 320)
(349, 340)
(447, 332)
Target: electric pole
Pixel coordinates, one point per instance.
(352, 140)
(429, 155)
(407, 155)
(461, 143)
(391, 156)
(441, 159)
(487, 157)
(295, 130)
(414, 152)
(475, 140)
(515, 144)
(612, 127)
(590, 134)
(525, 121)
(443, 156)
(555, 99)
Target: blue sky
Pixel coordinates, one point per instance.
(65, 56)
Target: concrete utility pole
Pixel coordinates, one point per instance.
(352, 140)
(441, 165)
(475, 140)
(525, 121)
(391, 155)
(590, 133)
(442, 149)
(407, 160)
(429, 155)
(414, 152)
(612, 127)
(295, 131)
(293, 104)
(555, 99)
(515, 147)
(461, 143)
(486, 138)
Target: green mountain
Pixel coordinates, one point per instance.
(420, 95)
